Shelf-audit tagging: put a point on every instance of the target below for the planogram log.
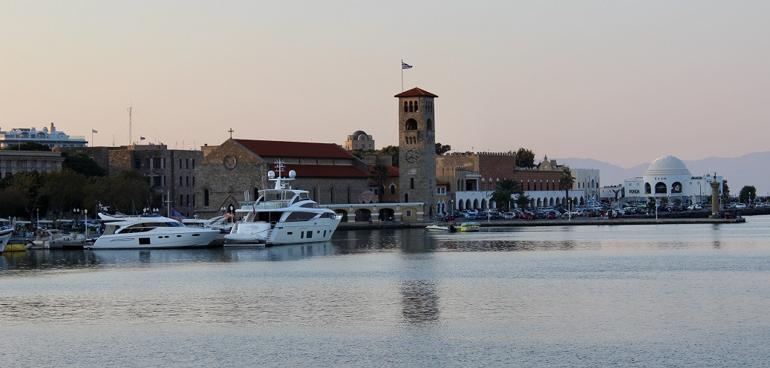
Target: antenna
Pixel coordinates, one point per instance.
(130, 133)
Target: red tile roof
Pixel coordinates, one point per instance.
(327, 171)
(294, 149)
(415, 92)
(392, 171)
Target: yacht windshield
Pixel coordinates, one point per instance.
(147, 226)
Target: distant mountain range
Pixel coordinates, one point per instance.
(749, 169)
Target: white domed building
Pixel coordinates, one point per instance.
(668, 177)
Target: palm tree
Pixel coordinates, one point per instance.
(503, 193)
(522, 200)
(566, 182)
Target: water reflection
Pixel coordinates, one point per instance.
(85, 259)
(419, 300)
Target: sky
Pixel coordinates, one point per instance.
(619, 81)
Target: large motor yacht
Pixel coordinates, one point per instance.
(282, 215)
(5, 236)
(149, 232)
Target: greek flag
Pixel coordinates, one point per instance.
(94, 131)
(405, 65)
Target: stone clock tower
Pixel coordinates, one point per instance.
(417, 148)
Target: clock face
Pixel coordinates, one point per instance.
(230, 162)
(412, 155)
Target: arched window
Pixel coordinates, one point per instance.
(676, 188)
(430, 124)
(406, 108)
(411, 124)
(411, 108)
(660, 188)
(392, 189)
(647, 188)
(411, 183)
(416, 106)
(206, 197)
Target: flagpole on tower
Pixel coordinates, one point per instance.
(402, 75)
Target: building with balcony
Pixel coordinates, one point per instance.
(47, 136)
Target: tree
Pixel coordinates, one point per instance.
(566, 181)
(379, 175)
(522, 200)
(127, 192)
(504, 192)
(442, 148)
(13, 202)
(393, 152)
(81, 163)
(747, 194)
(26, 185)
(63, 191)
(525, 158)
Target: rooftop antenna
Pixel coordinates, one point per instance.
(279, 179)
(130, 133)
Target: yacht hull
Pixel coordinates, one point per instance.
(191, 239)
(5, 236)
(319, 230)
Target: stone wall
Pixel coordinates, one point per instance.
(224, 182)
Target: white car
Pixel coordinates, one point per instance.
(740, 206)
(694, 207)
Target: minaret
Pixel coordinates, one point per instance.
(417, 148)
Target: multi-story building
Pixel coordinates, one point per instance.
(587, 180)
(12, 162)
(171, 174)
(47, 137)
(473, 177)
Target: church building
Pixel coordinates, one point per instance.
(235, 170)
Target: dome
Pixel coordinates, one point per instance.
(358, 132)
(667, 166)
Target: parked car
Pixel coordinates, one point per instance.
(509, 215)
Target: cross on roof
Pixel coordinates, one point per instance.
(231, 133)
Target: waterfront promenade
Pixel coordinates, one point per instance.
(578, 221)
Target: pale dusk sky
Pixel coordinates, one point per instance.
(619, 81)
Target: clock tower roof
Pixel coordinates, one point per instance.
(415, 92)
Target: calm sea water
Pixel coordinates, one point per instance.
(631, 296)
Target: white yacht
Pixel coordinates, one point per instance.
(5, 236)
(282, 216)
(150, 232)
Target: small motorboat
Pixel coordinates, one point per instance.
(54, 239)
(441, 228)
(467, 227)
(5, 236)
(438, 228)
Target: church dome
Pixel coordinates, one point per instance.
(667, 166)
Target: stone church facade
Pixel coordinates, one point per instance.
(235, 170)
